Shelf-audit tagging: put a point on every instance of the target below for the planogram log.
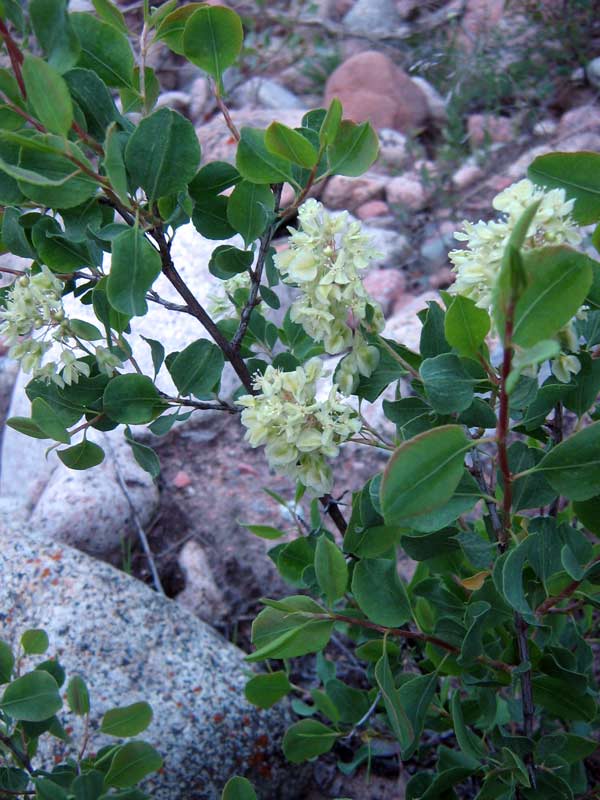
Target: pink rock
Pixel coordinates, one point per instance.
(488, 127)
(371, 87)
(182, 480)
(407, 191)
(350, 193)
(374, 208)
(482, 15)
(387, 287)
(466, 175)
(582, 118)
(442, 278)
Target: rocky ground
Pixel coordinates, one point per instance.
(426, 180)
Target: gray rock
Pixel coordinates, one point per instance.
(260, 92)
(131, 644)
(393, 246)
(592, 70)
(372, 16)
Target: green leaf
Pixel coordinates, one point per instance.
(7, 662)
(288, 634)
(54, 32)
(466, 325)
(380, 593)
(331, 123)
(50, 179)
(307, 739)
(213, 178)
(109, 13)
(27, 427)
(250, 209)
(94, 99)
(88, 786)
(572, 468)
(33, 697)
(415, 696)
(127, 721)
(578, 174)
(171, 27)
(475, 618)
(35, 642)
(84, 330)
(423, 473)
(399, 721)
(59, 252)
(132, 399)
(213, 39)
(131, 763)
(48, 94)
(558, 282)
(448, 385)
(114, 161)
(82, 456)
(258, 164)
(266, 690)
(135, 265)
(291, 145)
(162, 154)
(78, 696)
(238, 788)
(210, 217)
(144, 455)
(264, 531)
(48, 790)
(467, 494)
(331, 569)
(555, 696)
(197, 369)
(354, 149)
(522, 359)
(588, 513)
(47, 420)
(104, 50)
(512, 580)
(470, 744)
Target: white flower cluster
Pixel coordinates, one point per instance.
(219, 302)
(478, 265)
(34, 319)
(299, 431)
(325, 258)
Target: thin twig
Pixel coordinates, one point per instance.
(136, 519)
(225, 112)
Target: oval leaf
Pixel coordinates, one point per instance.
(135, 265)
(82, 456)
(48, 94)
(32, 698)
(131, 763)
(213, 39)
(127, 721)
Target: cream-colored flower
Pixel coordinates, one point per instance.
(478, 265)
(220, 301)
(564, 366)
(299, 431)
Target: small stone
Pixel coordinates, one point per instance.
(201, 595)
(545, 127)
(407, 191)
(178, 100)
(466, 176)
(434, 251)
(435, 101)
(592, 70)
(260, 92)
(387, 287)
(582, 118)
(485, 128)
(201, 99)
(442, 278)
(372, 15)
(372, 209)
(182, 480)
(349, 193)
(393, 148)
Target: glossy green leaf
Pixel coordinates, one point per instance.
(578, 174)
(572, 468)
(144, 455)
(448, 385)
(307, 739)
(171, 27)
(213, 39)
(250, 209)
(135, 265)
(238, 788)
(353, 150)
(54, 32)
(94, 99)
(466, 325)
(287, 634)
(588, 513)
(132, 399)
(7, 662)
(266, 690)
(331, 123)
(291, 145)
(423, 473)
(213, 178)
(33, 697)
(210, 217)
(127, 721)
(48, 95)
(558, 282)
(51, 179)
(108, 12)
(104, 49)
(264, 531)
(88, 786)
(162, 154)
(380, 593)
(331, 569)
(82, 456)
(132, 763)
(197, 369)
(78, 696)
(35, 641)
(258, 164)
(399, 721)
(47, 420)
(114, 162)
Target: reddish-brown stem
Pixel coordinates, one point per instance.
(15, 55)
(226, 115)
(416, 636)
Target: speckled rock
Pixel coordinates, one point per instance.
(131, 644)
